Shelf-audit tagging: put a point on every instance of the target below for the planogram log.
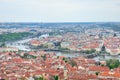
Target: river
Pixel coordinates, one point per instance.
(22, 46)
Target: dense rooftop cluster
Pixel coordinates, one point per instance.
(91, 39)
(15, 66)
(38, 64)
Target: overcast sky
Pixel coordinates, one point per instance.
(59, 10)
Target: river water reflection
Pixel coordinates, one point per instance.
(20, 45)
(97, 58)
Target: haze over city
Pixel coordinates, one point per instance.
(59, 10)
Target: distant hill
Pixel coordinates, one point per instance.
(114, 25)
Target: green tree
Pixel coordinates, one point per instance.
(57, 56)
(13, 36)
(41, 78)
(112, 63)
(73, 63)
(55, 77)
(63, 59)
(97, 73)
(44, 57)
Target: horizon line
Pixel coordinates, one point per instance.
(64, 22)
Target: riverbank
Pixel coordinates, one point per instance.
(20, 44)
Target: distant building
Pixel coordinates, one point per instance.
(9, 49)
(65, 44)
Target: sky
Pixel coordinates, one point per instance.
(59, 10)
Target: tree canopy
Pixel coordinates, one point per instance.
(112, 63)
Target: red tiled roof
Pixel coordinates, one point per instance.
(98, 68)
(82, 77)
(113, 74)
(31, 53)
(18, 60)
